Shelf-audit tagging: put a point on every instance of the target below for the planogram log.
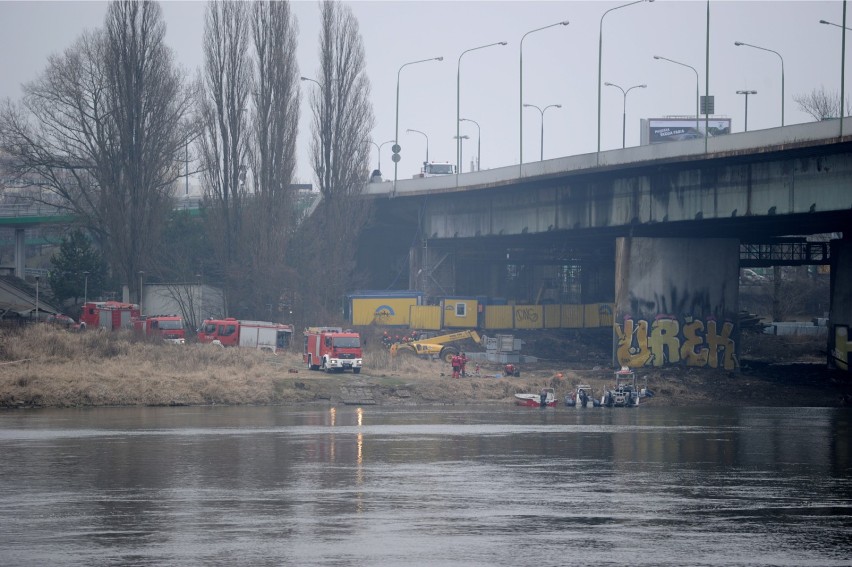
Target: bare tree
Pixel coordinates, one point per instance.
(271, 212)
(342, 121)
(223, 143)
(100, 129)
(821, 104)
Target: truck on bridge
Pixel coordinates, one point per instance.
(434, 169)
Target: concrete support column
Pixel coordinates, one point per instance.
(20, 254)
(676, 302)
(840, 314)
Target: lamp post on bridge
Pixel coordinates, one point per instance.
(542, 111)
(458, 101)
(427, 141)
(624, 109)
(697, 90)
(746, 93)
(521, 98)
(478, 140)
(740, 43)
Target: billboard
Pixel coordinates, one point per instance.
(659, 130)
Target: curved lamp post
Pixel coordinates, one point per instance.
(396, 127)
(842, 62)
(521, 98)
(600, 53)
(697, 131)
(427, 141)
(459, 142)
(542, 111)
(746, 93)
(740, 43)
(478, 140)
(624, 108)
(379, 152)
(458, 100)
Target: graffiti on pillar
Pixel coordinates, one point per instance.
(669, 340)
(842, 346)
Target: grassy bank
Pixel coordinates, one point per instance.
(42, 366)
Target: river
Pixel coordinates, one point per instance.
(480, 485)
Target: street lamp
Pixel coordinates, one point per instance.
(542, 111)
(624, 108)
(458, 100)
(396, 129)
(36, 309)
(600, 53)
(85, 288)
(739, 43)
(697, 131)
(427, 141)
(200, 301)
(478, 140)
(521, 98)
(842, 63)
(746, 93)
(835, 25)
(379, 151)
(459, 142)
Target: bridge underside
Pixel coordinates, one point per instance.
(554, 240)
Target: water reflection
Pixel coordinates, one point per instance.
(471, 486)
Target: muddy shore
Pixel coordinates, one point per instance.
(44, 367)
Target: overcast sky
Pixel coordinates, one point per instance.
(560, 66)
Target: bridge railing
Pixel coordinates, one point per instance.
(30, 210)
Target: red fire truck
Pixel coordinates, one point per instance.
(110, 315)
(261, 335)
(332, 349)
(168, 327)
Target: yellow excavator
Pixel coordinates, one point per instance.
(435, 346)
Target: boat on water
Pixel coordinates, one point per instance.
(626, 393)
(582, 397)
(545, 398)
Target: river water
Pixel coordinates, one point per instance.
(484, 485)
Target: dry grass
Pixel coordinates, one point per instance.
(43, 366)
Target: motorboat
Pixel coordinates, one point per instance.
(625, 393)
(545, 398)
(582, 397)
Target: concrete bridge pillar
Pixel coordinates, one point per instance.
(676, 302)
(840, 315)
(20, 255)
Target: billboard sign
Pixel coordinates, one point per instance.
(661, 130)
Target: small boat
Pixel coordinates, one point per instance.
(582, 398)
(626, 393)
(535, 400)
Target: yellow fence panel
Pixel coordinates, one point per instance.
(552, 316)
(498, 317)
(606, 313)
(599, 315)
(573, 316)
(529, 316)
(425, 317)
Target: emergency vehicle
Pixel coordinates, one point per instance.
(262, 335)
(332, 349)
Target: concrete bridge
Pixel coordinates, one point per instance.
(662, 230)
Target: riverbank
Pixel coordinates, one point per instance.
(42, 366)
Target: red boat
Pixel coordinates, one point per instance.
(534, 400)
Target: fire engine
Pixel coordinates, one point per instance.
(332, 349)
(168, 327)
(262, 335)
(110, 315)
